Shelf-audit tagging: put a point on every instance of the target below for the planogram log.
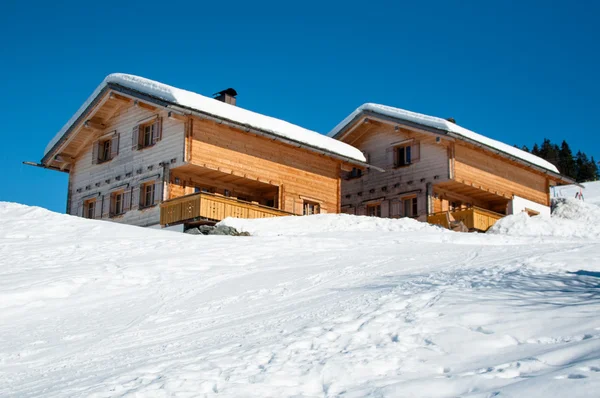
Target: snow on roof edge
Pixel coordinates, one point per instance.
(219, 109)
(445, 125)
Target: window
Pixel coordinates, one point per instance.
(106, 149)
(355, 173)
(146, 134)
(117, 203)
(402, 155)
(311, 208)
(374, 210)
(410, 207)
(147, 195)
(89, 208)
(406, 154)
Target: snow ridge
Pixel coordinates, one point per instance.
(444, 125)
(219, 109)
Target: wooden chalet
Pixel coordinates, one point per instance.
(144, 153)
(439, 172)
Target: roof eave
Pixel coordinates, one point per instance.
(366, 113)
(233, 123)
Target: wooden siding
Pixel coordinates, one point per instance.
(130, 167)
(495, 174)
(205, 206)
(377, 141)
(299, 174)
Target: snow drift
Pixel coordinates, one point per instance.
(327, 223)
(571, 218)
(323, 306)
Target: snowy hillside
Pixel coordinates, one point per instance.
(319, 306)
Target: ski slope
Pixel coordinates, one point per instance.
(319, 306)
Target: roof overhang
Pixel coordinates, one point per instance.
(366, 114)
(182, 110)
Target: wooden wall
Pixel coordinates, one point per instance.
(299, 173)
(125, 167)
(491, 171)
(376, 140)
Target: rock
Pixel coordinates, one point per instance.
(224, 230)
(215, 230)
(206, 229)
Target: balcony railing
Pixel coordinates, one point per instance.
(474, 218)
(209, 207)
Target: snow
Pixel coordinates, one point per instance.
(590, 191)
(218, 109)
(319, 306)
(444, 125)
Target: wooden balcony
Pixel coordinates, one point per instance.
(475, 218)
(209, 207)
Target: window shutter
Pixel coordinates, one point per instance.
(97, 208)
(95, 152)
(395, 208)
(385, 208)
(114, 146)
(135, 138)
(158, 189)
(157, 131)
(80, 209)
(135, 197)
(126, 200)
(106, 205)
(390, 155)
(416, 151)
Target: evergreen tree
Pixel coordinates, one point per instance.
(536, 150)
(566, 163)
(549, 152)
(524, 147)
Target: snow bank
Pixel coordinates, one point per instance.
(571, 218)
(325, 223)
(218, 109)
(444, 125)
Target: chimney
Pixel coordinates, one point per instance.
(227, 96)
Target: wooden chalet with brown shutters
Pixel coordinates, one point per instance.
(144, 153)
(439, 172)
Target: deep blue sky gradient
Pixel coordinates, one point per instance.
(517, 71)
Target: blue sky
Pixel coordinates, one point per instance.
(517, 71)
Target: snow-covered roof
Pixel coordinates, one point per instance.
(213, 107)
(447, 126)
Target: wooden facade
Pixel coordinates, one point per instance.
(127, 154)
(443, 175)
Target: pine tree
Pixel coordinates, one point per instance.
(524, 147)
(535, 150)
(566, 163)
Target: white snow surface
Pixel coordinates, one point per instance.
(590, 192)
(219, 109)
(319, 306)
(444, 125)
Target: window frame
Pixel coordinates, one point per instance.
(310, 207)
(144, 193)
(117, 197)
(377, 211)
(406, 150)
(413, 205)
(88, 205)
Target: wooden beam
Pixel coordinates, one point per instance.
(90, 124)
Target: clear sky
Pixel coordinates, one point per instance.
(516, 71)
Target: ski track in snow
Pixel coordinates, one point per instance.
(89, 308)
